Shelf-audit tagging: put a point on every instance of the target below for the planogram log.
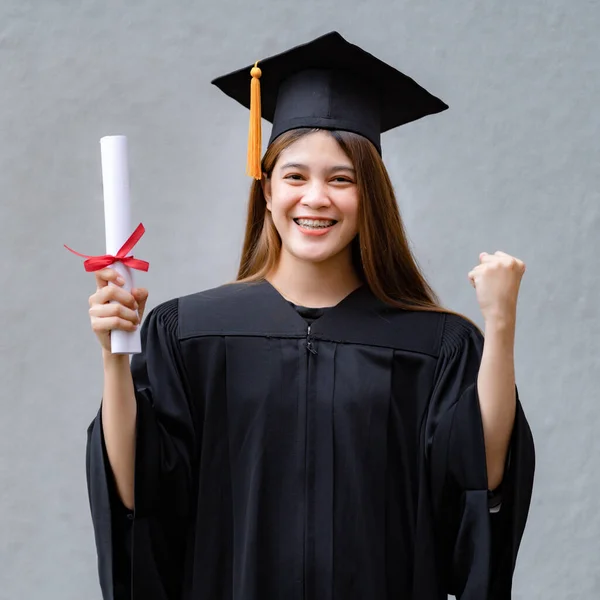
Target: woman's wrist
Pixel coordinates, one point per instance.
(114, 361)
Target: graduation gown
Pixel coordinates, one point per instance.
(342, 460)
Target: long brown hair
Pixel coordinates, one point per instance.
(380, 252)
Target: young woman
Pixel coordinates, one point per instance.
(321, 428)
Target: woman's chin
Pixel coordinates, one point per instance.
(320, 257)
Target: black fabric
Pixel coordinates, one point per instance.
(330, 83)
(345, 463)
(309, 314)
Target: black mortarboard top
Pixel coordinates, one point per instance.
(328, 83)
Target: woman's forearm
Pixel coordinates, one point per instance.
(119, 410)
(497, 395)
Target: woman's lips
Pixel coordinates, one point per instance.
(315, 231)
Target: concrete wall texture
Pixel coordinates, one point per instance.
(512, 166)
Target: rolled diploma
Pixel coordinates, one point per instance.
(117, 221)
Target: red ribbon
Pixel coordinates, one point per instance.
(95, 263)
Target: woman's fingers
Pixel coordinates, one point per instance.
(112, 293)
(106, 324)
(110, 311)
(106, 276)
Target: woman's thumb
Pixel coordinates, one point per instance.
(140, 294)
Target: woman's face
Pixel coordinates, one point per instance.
(313, 198)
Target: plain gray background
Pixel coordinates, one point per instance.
(512, 166)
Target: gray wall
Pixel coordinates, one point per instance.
(513, 166)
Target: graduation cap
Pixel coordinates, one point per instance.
(328, 83)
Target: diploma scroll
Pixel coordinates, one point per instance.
(117, 221)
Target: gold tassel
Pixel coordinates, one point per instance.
(253, 168)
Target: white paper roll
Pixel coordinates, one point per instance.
(117, 221)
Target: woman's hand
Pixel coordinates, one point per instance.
(125, 313)
(497, 280)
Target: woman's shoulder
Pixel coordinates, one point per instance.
(436, 330)
(225, 296)
(217, 309)
(457, 331)
(206, 304)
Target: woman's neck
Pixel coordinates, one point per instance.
(314, 285)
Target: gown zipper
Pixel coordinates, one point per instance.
(310, 348)
(309, 344)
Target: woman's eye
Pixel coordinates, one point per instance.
(294, 176)
(342, 180)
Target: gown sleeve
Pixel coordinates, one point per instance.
(141, 552)
(476, 541)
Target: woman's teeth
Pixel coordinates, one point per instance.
(314, 223)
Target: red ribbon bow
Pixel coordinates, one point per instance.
(95, 263)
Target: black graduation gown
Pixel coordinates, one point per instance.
(343, 461)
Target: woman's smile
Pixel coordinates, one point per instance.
(314, 226)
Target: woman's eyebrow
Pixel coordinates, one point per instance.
(291, 165)
(342, 168)
(302, 167)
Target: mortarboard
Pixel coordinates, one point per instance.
(328, 83)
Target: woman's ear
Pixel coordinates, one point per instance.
(266, 188)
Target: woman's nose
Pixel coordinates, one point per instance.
(316, 195)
